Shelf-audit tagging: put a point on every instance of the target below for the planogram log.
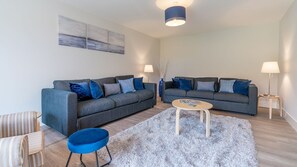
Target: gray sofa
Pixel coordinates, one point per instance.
(62, 111)
(222, 101)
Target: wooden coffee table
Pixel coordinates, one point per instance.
(193, 105)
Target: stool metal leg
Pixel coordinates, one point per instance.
(109, 157)
(81, 162)
(97, 162)
(108, 154)
(68, 159)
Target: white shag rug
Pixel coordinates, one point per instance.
(153, 143)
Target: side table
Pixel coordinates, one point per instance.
(270, 98)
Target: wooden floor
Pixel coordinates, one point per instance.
(276, 140)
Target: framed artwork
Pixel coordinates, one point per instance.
(81, 35)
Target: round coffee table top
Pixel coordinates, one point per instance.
(190, 104)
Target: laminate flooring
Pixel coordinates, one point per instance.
(276, 140)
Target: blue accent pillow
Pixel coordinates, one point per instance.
(185, 84)
(138, 83)
(127, 85)
(81, 89)
(96, 90)
(241, 87)
(205, 86)
(175, 82)
(226, 86)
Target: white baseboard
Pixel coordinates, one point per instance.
(290, 120)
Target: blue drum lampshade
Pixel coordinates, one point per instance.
(175, 16)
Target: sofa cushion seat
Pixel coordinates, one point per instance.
(200, 94)
(175, 92)
(124, 99)
(94, 106)
(144, 94)
(233, 97)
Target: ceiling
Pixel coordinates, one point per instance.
(203, 15)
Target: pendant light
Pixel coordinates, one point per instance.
(175, 11)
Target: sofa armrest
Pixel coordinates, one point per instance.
(59, 110)
(18, 124)
(166, 85)
(152, 87)
(253, 97)
(14, 151)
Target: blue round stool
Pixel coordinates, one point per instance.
(86, 141)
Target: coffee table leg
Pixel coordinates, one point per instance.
(207, 122)
(201, 116)
(177, 122)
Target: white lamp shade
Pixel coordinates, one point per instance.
(270, 67)
(164, 4)
(148, 68)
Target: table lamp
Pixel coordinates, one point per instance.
(270, 68)
(149, 69)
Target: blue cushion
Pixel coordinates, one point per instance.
(175, 82)
(96, 90)
(241, 87)
(138, 83)
(81, 89)
(226, 86)
(185, 84)
(205, 86)
(127, 85)
(88, 140)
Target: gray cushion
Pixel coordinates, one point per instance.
(231, 97)
(200, 94)
(65, 84)
(94, 106)
(144, 94)
(112, 89)
(207, 79)
(205, 86)
(124, 99)
(175, 92)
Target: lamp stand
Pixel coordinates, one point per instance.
(269, 84)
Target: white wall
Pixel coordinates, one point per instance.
(288, 64)
(237, 52)
(30, 57)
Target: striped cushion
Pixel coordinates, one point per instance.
(14, 151)
(18, 124)
(226, 86)
(127, 85)
(36, 160)
(36, 142)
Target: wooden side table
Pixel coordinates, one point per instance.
(201, 106)
(270, 98)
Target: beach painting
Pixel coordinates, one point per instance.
(97, 39)
(77, 34)
(72, 33)
(116, 42)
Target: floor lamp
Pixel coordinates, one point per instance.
(270, 68)
(148, 69)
